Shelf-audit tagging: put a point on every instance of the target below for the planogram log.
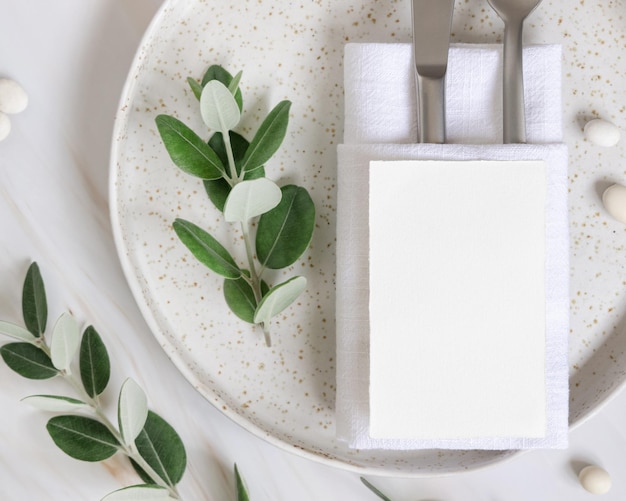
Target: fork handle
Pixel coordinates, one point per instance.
(431, 116)
(514, 123)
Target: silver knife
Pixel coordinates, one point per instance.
(432, 22)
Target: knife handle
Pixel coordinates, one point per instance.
(513, 112)
(431, 119)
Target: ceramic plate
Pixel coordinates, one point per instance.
(293, 50)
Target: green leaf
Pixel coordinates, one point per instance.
(268, 138)
(161, 447)
(132, 410)
(219, 189)
(82, 437)
(278, 298)
(34, 303)
(65, 342)
(374, 490)
(187, 150)
(218, 107)
(16, 332)
(28, 361)
(285, 232)
(233, 86)
(196, 88)
(95, 368)
(139, 493)
(240, 297)
(249, 199)
(242, 493)
(216, 72)
(54, 403)
(142, 474)
(206, 249)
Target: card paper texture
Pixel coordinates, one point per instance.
(457, 299)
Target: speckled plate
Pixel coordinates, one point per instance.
(293, 50)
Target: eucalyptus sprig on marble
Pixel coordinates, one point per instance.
(83, 430)
(276, 222)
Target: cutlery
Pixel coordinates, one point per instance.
(432, 20)
(513, 13)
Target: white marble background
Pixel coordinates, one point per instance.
(72, 56)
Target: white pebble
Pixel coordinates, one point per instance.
(13, 98)
(602, 132)
(614, 200)
(5, 126)
(595, 480)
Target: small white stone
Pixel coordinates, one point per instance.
(602, 132)
(13, 98)
(595, 480)
(5, 126)
(614, 200)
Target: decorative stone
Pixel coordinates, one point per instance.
(5, 126)
(614, 200)
(602, 132)
(13, 98)
(595, 480)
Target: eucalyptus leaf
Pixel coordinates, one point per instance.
(217, 72)
(142, 474)
(132, 410)
(218, 107)
(16, 332)
(268, 138)
(249, 199)
(206, 249)
(242, 493)
(139, 493)
(161, 447)
(187, 150)
(240, 297)
(65, 342)
(374, 490)
(219, 189)
(82, 437)
(233, 86)
(95, 367)
(285, 232)
(54, 403)
(278, 298)
(196, 88)
(34, 303)
(28, 361)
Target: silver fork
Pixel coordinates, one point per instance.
(513, 13)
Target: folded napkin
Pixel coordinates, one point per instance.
(380, 124)
(380, 95)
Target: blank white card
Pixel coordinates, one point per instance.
(457, 299)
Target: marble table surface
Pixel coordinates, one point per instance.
(73, 57)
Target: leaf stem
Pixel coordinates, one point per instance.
(232, 168)
(255, 281)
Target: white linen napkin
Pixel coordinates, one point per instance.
(380, 95)
(380, 125)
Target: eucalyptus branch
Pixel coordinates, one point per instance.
(82, 437)
(233, 173)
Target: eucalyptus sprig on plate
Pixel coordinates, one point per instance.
(83, 430)
(276, 222)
